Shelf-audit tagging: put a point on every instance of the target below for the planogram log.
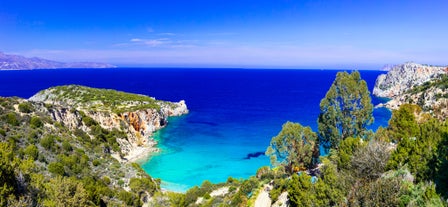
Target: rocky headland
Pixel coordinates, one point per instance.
(136, 116)
(17, 62)
(75, 146)
(414, 83)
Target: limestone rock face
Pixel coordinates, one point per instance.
(403, 77)
(415, 84)
(138, 125)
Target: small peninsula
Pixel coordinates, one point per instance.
(17, 62)
(137, 116)
(79, 142)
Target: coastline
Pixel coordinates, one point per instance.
(139, 154)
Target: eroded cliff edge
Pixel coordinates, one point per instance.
(414, 83)
(134, 116)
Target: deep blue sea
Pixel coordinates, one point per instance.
(233, 112)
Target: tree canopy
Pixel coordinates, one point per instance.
(294, 147)
(345, 111)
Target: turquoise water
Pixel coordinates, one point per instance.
(238, 117)
(191, 154)
(234, 113)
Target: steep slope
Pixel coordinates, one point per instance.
(401, 78)
(56, 150)
(418, 84)
(137, 116)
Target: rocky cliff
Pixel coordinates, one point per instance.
(137, 116)
(17, 62)
(401, 78)
(417, 84)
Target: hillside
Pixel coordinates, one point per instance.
(58, 151)
(17, 62)
(74, 146)
(418, 84)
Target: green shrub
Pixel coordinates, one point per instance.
(142, 184)
(192, 195)
(96, 162)
(66, 146)
(106, 180)
(25, 107)
(35, 122)
(265, 173)
(32, 136)
(56, 168)
(81, 134)
(129, 198)
(280, 185)
(47, 142)
(248, 186)
(88, 121)
(176, 199)
(11, 118)
(32, 151)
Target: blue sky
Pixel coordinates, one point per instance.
(364, 34)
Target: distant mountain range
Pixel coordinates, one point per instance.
(17, 62)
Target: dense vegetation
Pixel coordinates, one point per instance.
(43, 163)
(101, 99)
(401, 165)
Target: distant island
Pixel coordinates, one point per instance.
(17, 62)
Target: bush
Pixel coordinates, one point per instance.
(35, 122)
(265, 173)
(25, 107)
(47, 142)
(88, 121)
(96, 162)
(32, 151)
(2, 132)
(192, 195)
(66, 146)
(142, 184)
(11, 118)
(280, 185)
(129, 198)
(176, 199)
(56, 168)
(106, 180)
(32, 136)
(370, 162)
(248, 186)
(81, 134)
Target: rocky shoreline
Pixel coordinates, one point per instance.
(137, 126)
(413, 83)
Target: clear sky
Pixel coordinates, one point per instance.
(363, 34)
